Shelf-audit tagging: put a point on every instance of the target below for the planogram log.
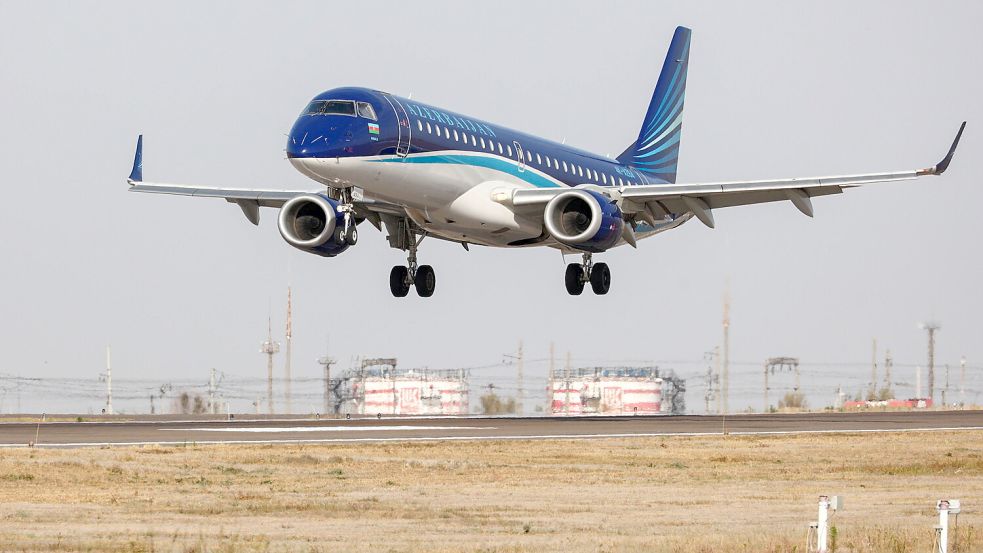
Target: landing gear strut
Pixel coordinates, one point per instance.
(421, 277)
(347, 233)
(579, 274)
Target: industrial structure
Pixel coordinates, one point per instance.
(378, 387)
(615, 391)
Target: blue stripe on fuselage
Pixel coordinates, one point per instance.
(493, 163)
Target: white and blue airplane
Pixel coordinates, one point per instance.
(420, 171)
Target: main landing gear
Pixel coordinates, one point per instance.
(579, 274)
(421, 277)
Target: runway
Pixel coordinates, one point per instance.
(402, 429)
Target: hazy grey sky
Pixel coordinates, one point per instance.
(776, 89)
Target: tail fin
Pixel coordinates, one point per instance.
(656, 151)
(136, 175)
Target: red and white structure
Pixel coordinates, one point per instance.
(605, 391)
(411, 392)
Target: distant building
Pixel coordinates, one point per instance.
(391, 391)
(614, 391)
(924, 403)
(376, 387)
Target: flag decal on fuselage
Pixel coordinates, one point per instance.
(373, 128)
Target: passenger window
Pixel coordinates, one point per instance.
(473, 141)
(366, 110)
(437, 129)
(539, 160)
(508, 149)
(429, 129)
(482, 143)
(604, 178)
(564, 166)
(500, 148)
(447, 133)
(419, 125)
(456, 139)
(548, 163)
(580, 170)
(595, 174)
(620, 182)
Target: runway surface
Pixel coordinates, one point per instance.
(401, 429)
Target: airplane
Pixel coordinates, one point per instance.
(418, 170)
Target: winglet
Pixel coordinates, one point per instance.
(136, 175)
(944, 164)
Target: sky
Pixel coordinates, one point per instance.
(776, 89)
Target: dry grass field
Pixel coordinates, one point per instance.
(693, 494)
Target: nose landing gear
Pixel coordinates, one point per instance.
(579, 274)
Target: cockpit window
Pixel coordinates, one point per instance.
(365, 110)
(331, 107)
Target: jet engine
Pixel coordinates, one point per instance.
(313, 223)
(584, 219)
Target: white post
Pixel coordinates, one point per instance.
(822, 530)
(943, 526)
(945, 507)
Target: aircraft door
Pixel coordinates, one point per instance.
(403, 127)
(520, 154)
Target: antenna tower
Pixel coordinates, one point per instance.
(269, 348)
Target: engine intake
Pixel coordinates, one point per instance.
(584, 219)
(308, 222)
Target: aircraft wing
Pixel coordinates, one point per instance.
(653, 202)
(248, 199)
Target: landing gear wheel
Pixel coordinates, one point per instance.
(352, 237)
(600, 278)
(574, 279)
(425, 281)
(399, 281)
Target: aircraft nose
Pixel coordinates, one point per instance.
(305, 139)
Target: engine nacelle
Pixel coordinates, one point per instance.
(308, 222)
(584, 219)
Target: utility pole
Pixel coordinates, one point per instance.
(211, 393)
(286, 365)
(109, 381)
(888, 364)
(713, 361)
(552, 386)
(945, 390)
(767, 367)
(519, 377)
(566, 385)
(725, 392)
(873, 372)
(962, 382)
(931, 328)
(269, 348)
(326, 362)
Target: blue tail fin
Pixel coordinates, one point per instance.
(656, 151)
(136, 175)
